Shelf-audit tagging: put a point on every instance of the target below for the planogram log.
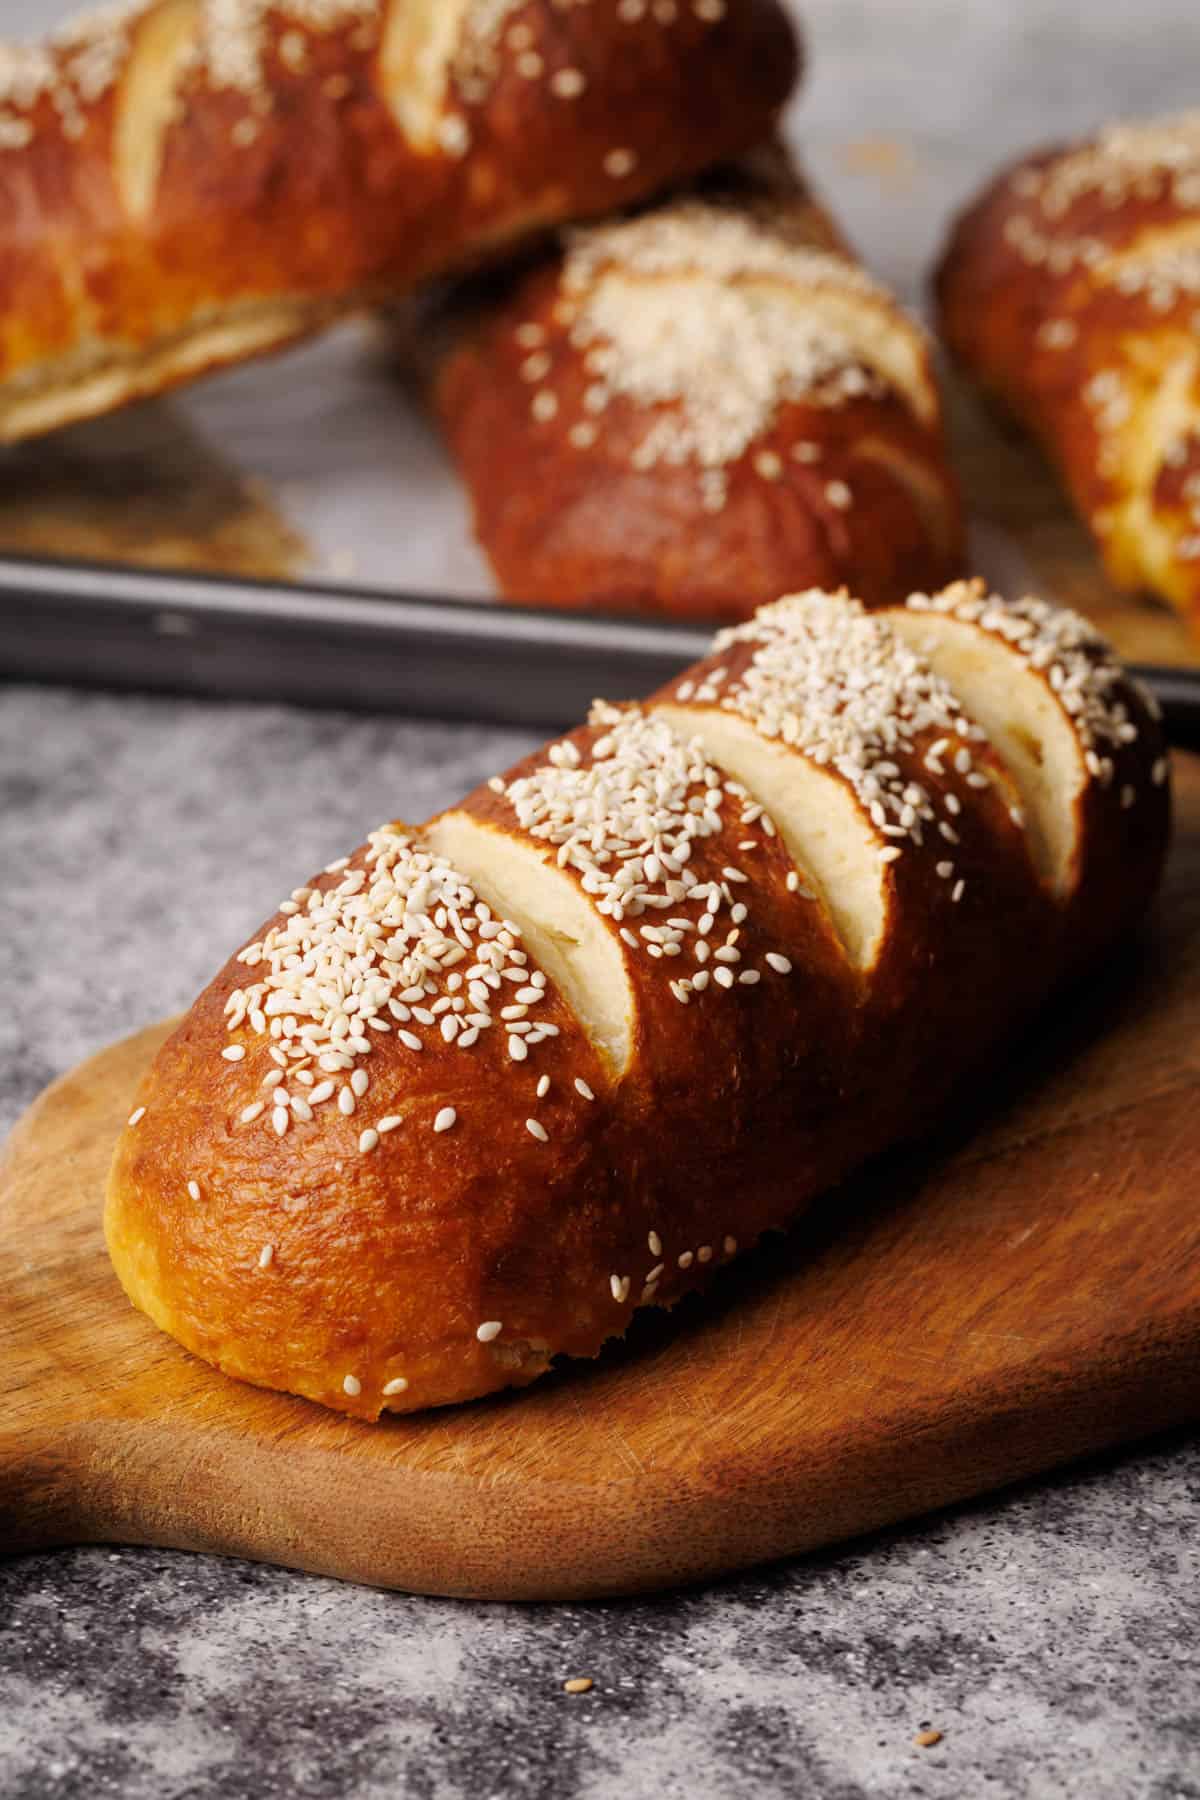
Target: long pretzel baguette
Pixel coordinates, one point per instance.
(1070, 290)
(696, 409)
(185, 183)
(479, 1091)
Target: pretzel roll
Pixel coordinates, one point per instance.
(693, 409)
(1070, 290)
(185, 183)
(480, 1091)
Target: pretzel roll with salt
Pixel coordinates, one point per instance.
(187, 183)
(694, 409)
(1070, 291)
(483, 1089)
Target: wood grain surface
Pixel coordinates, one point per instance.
(1021, 1292)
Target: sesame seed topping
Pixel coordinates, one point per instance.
(446, 1119)
(655, 1244)
(398, 1385)
(832, 681)
(391, 1123)
(730, 1246)
(780, 964)
(368, 1141)
(537, 1130)
(1063, 647)
(715, 310)
(193, 1188)
(352, 1386)
(488, 1332)
(233, 1053)
(582, 1088)
(543, 1087)
(266, 1257)
(389, 942)
(686, 1260)
(136, 1117)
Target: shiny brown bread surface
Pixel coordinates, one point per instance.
(695, 409)
(1070, 291)
(185, 183)
(483, 1089)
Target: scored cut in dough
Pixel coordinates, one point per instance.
(1027, 727)
(419, 45)
(827, 834)
(559, 923)
(146, 101)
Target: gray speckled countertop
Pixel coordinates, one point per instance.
(1051, 1635)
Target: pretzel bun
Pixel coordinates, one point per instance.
(481, 1090)
(1070, 290)
(186, 183)
(694, 409)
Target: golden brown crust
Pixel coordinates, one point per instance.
(182, 191)
(588, 447)
(469, 1176)
(1069, 289)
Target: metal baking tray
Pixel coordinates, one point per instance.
(348, 647)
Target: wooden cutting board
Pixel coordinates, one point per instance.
(1024, 1291)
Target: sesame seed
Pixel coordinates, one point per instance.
(958, 891)
(889, 853)
(398, 1385)
(409, 1039)
(251, 1112)
(704, 1253)
(346, 1102)
(655, 1244)
(686, 1260)
(233, 1053)
(730, 1246)
(620, 163)
(567, 84)
(266, 1256)
(136, 1117)
(780, 964)
(543, 1087)
(517, 1047)
(582, 1088)
(1159, 771)
(489, 1332)
(368, 1141)
(280, 1119)
(391, 1123)
(578, 1684)
(537, 1130)
(359, 1082)
(445, 1119)
(352, 1386)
